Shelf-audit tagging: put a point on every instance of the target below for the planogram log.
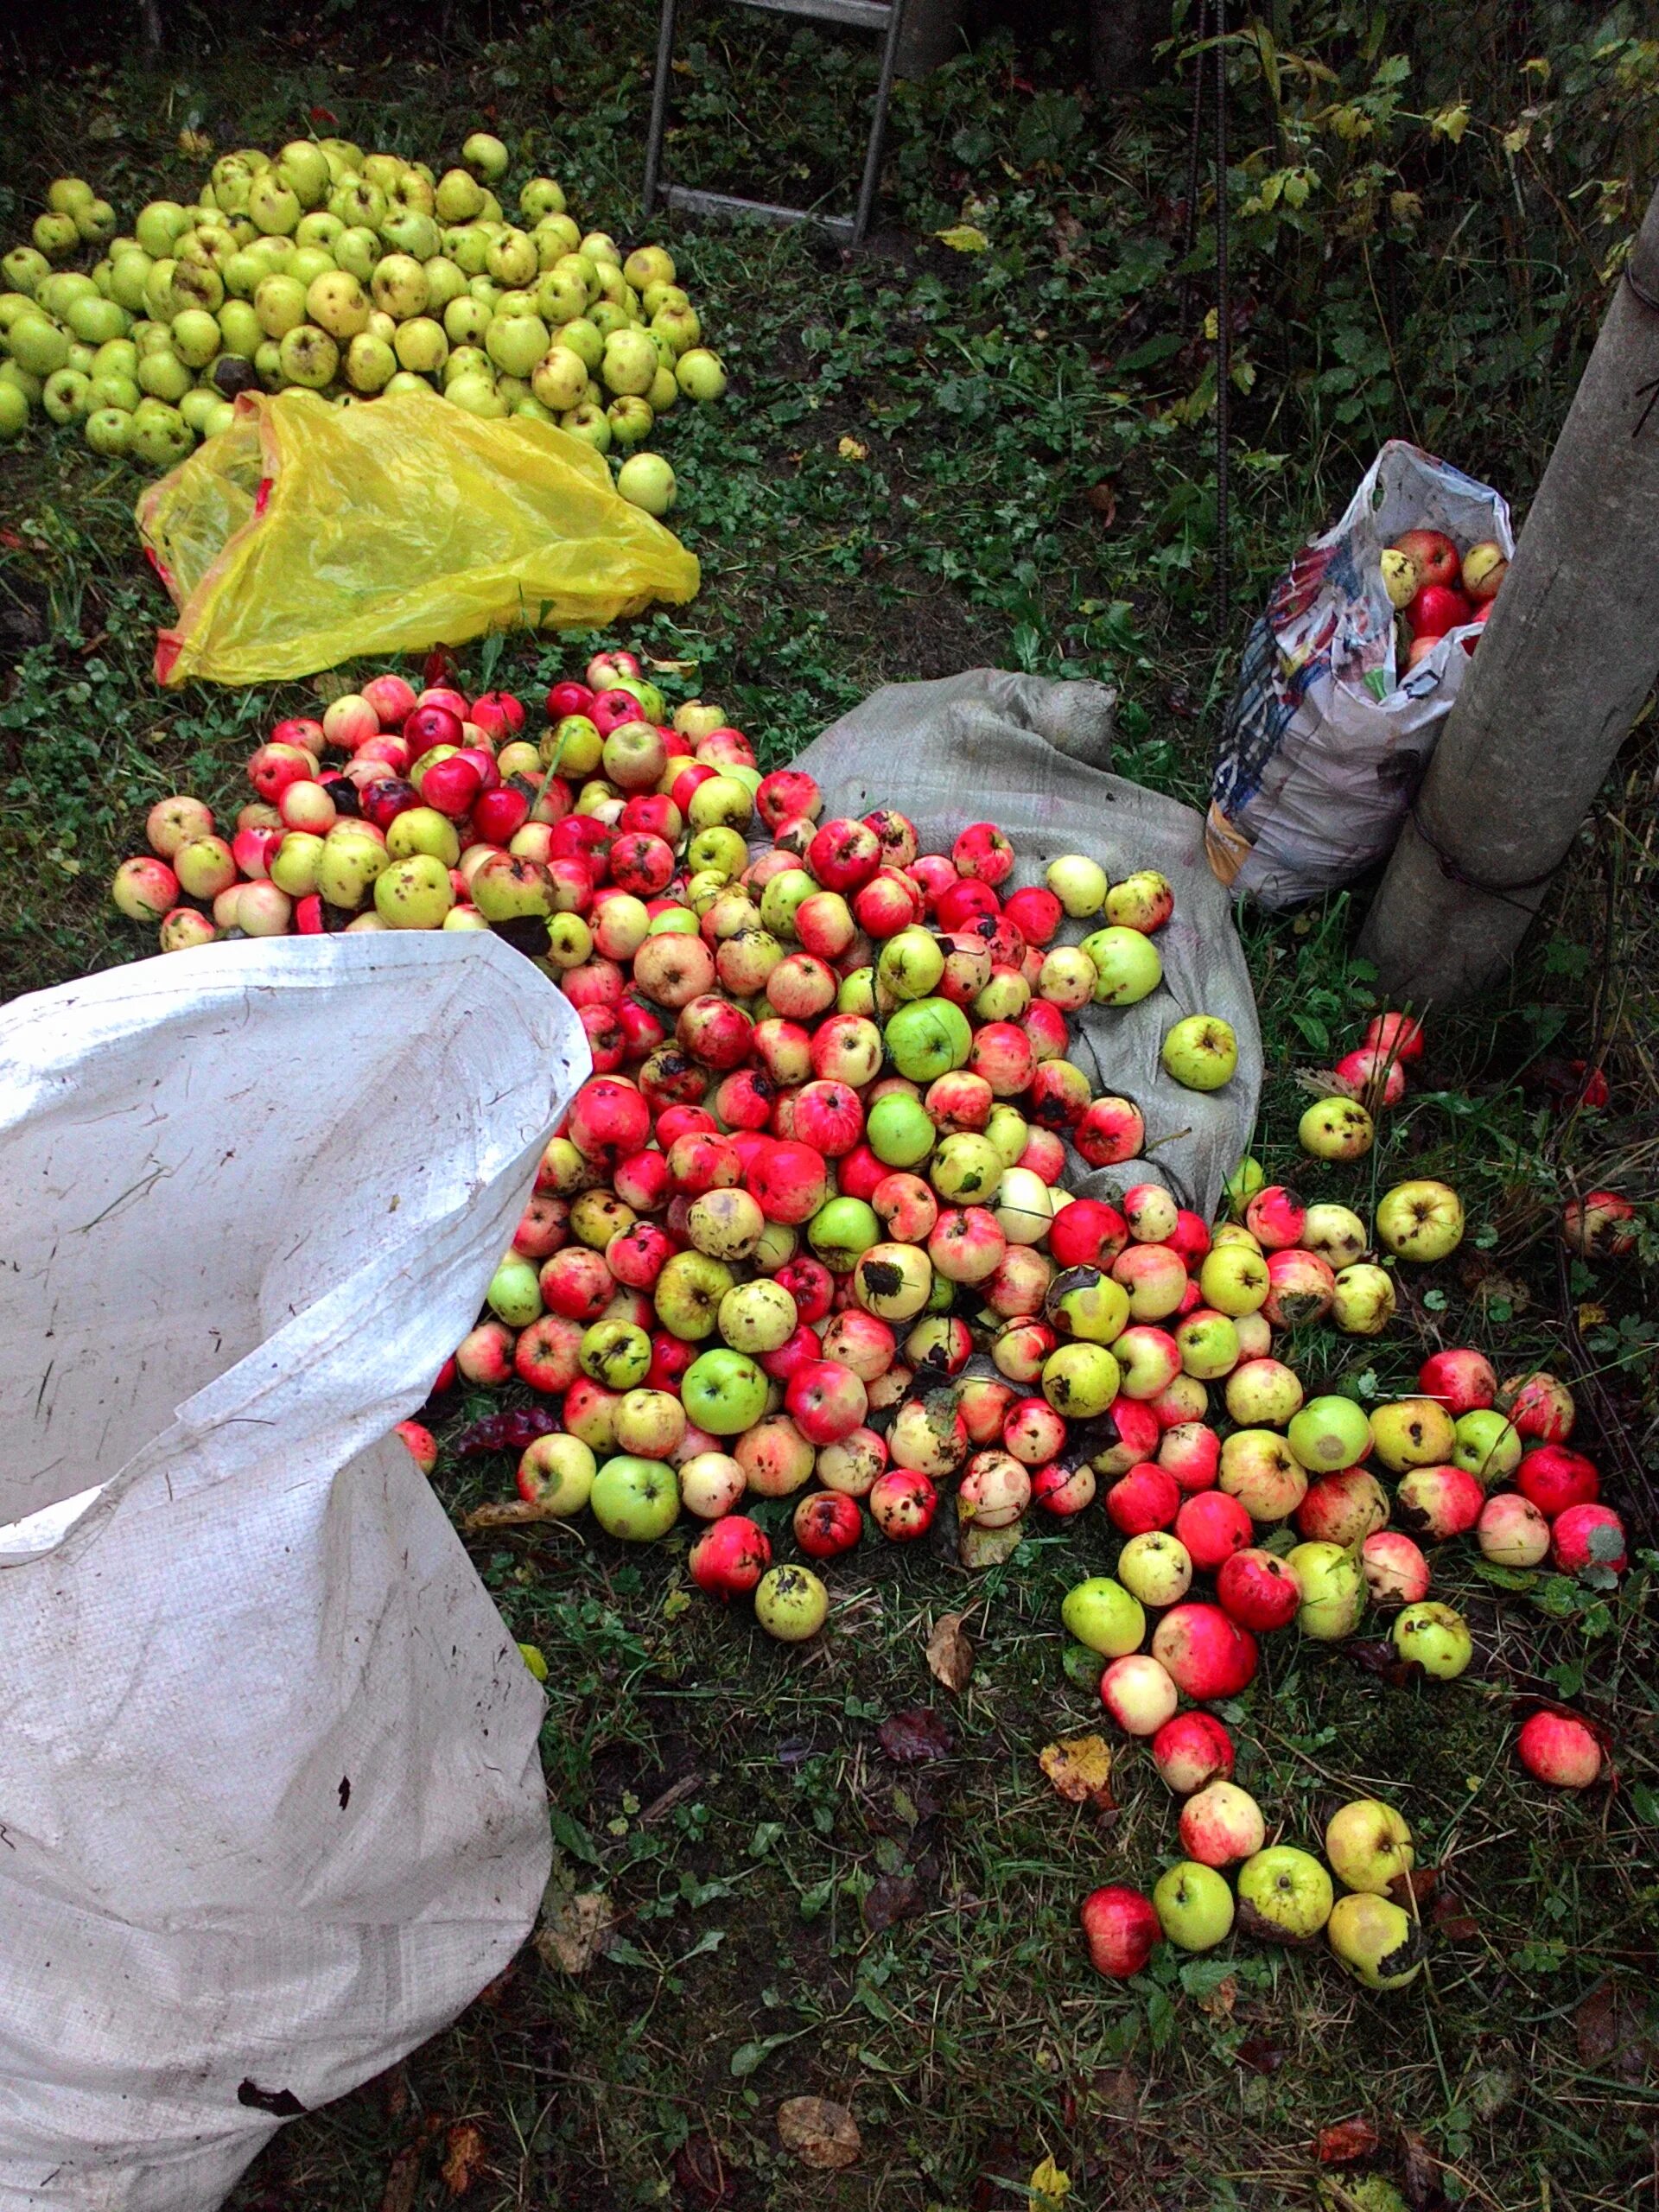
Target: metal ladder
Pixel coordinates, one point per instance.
(884, 15)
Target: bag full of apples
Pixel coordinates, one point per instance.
(1347, 677)
(274, 1813)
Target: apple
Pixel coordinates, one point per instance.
(1336, 1128)
(1285, 1895)
(1259, 1471)
(1101, 1613)
(1540, 1407)
(1436, 1637)
(1588, 1536)
(1233, 1280)
(1258, 1590)
(1512, 1532)
(723, 1392)
(1556, 1748)
(1192, 1750)
(1208, 1654)
(1333, 1590)
(1433, 554)
(729, 1558)
(791, 1604)
(711, 1483)
(1200, 1052)
(1156, 1567)
(1554, 1479)
(1396, 1572)
(555, 1475)
(1598, 1226)
(1412, 1432)
(1221, 1824)
(1263, 1392)
(1377, 1941)
(1461, 1380)
(1127, 965)
(1079, 883)
(1336, 1234)
(1363, 1300)
(1329, 1433)
(1420, 1221)
(1194, 1905)
(1120, 1927)
(1484, 567)
(1486, 1446)
(635, 1500)
(1369, 1846)
(1138, 1692)
(1440, 1502)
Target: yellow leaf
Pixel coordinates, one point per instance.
(1050, 2186)
(1537, 66)
(850, 449)
(1516, 141)
(964, 238)
(1591, 1317)
(534, 1659)
(573, 1928)
(1080, 1768)
(1450, 123)
(676, 1603)
(1212, 326)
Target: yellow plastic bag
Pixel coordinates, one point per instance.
(305, 534)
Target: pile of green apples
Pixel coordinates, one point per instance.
(349, 274)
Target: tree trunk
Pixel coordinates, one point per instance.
(1569, 653)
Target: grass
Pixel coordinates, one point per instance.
(934, 459)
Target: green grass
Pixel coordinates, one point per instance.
(729, 1797)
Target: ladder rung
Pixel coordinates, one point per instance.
(866, 14)
(758, 211)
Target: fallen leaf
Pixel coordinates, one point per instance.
(1420, 1882)
(1102, 498)
(978, 1547)
(964, 238)
(819, 2132)
(673, 667)
(1420, 2169)
(1219, 2003)
(1382, 1659)
(850, 449)
(916, 1734)
(402, 2179)
(571, 1932)
(1080, 1768)
(507, 1513)
(1258, 2056)
(950, 1655)
(700, 2172)
(465, 2155)
(1050, 2185)
(892, 1897)
(1347, 2140)
(330, 687)
(1612, 2033)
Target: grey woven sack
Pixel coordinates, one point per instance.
(1033, 756)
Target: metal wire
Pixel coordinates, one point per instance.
(1224, 328)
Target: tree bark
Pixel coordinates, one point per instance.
(1569, 653)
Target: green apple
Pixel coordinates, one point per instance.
(1127, 965)
(911, 964)
(926, 1038)
(485, 155)
(14, 419)
(162, 439)
(1486, 1444)
(791, 1603)
(645, 481)
(1377, 1941)
(1329, 1433)
(842, 1229)
(1193, 1905)
(1369, 1846)
(1420, 1221)
(1284, 1895)
(107, 430)
(414, 892)
(723, 1392)
(1436, 1637)
(38, 346)
(635, 1500)
(514, 1295)
(1332, 1583)
(1101, 1613)
(899, 1131)
(699, 374)
(516, 343)
(1201, 1053)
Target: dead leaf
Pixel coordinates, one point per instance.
(1612, 2033)
(571, 1932)
(1220, 2001)
(330, 687)
(700, 2172)
(1420, 2169)
(1049, 2186)
(978, 1547)
(1080, 1768)
(1102, 498)
(402, 2179)
(673, 667)
(964, 238)
(1347, 2140)
(850, 449)
(950, 1655)
(893, 1897)
(465, 2156)
(1421, 1884)
(507, 1513)
(820, 2133)
(916, 1734)
(1258, 2056)
(1382, 1659)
